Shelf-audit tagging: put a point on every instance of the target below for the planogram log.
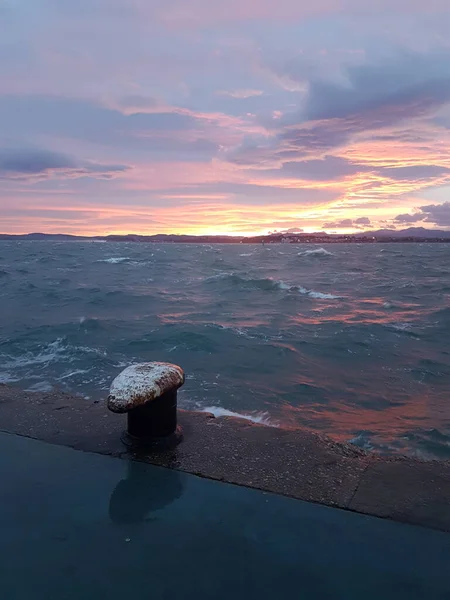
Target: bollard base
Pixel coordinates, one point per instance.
(152, 444)
(154, 419)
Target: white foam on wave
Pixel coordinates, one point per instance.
(247, 254)
(218, 276)
(6, 377)
(114, 260)
(40, 386)
(401, 326)
(261, 417)
(50, 353)
(318, 295)
(236, 330)
(281, 285)
(57, 351)
(284, 286)
(316, 252)
(362, 441)
(273, 284)
(74, 374)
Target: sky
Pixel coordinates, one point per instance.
(231, 117)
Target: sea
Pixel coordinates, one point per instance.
(349, 340)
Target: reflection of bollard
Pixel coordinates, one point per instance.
(147, 392)
(143, 492)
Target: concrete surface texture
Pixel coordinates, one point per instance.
(79, 525)
(294, 463)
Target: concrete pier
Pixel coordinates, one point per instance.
(290, 462)
(81, 525)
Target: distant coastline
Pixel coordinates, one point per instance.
(411, 235)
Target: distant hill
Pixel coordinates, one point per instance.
(410, 234)
(43, 236)
(416, 232)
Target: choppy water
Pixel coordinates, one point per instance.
(351, 340)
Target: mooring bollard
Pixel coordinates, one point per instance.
(147, 392)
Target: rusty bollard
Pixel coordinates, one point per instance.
(147, 393)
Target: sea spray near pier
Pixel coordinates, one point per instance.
(349, 340)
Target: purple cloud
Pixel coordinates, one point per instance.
(437, 214)
(347, 223)
(28, 164)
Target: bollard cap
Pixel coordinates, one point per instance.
(142, 383)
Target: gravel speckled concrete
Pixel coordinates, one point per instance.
(292, 462)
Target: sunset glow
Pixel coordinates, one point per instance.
(121, 116)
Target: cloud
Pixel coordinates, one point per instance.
(329, 168)
(372, 136)
(292, 230)
(241, 94)
(437, 214)
(32, 164)
(290, 111)
(347, 223)
(344, 224)
(82, 119)
(414, 81)
(416, 172)
(376, 96)
(138, 104)
(362, 221)
(157, 132)
(409, 218)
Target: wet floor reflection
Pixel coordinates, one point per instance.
(135, 498)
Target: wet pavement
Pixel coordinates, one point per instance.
(292, 462)
(76, 525)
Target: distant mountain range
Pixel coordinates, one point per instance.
(414, 234)
(419, 232)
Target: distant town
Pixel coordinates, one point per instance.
(411, 235)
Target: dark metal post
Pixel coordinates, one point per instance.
(157, 419)
(147, 393)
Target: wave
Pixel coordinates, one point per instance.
(90, 323)
(316, 252)
(431, 443)
(238, 280)
(246, 254)
(3, 273)
(6, 377)
(362, 441)
(114, 260)
(236, 330)
(40, 386)
(261, 417)
(51, 352)
(268, 284)
(401, 326)
(57, 351)
(318, 295)
(424, 444)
